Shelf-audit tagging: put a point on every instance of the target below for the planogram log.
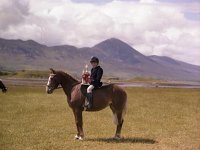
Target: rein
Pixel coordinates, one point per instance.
(59, 87)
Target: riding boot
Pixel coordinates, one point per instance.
(89, 98)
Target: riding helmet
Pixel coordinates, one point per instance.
(94, 59)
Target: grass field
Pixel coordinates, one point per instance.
(156, 119)
(25, 74)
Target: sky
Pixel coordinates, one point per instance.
(153, 27)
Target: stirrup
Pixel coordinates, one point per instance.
(86, 103)
(85, 106)
(89, 106)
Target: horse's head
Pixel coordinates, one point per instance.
(53, 82)
(3, 87)
(4, 90)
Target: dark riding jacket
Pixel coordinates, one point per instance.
(96, 75)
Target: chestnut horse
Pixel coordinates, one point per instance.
(109, 95)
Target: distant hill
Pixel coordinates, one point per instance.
(117, 58)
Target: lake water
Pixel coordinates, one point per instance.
(148, 85)
(43, 82)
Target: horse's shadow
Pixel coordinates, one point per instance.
(124, 140)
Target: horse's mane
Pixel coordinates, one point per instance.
(67, 76)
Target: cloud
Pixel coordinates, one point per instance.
(92, 1)
(151, 27)
(12, 13)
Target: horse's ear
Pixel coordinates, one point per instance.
(52, 71)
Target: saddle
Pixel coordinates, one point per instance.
(85, 86)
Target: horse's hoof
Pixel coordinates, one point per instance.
(117, 138)
(78, 137)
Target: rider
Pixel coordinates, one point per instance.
(96, 75)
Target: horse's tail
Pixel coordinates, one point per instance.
(115, 118)
(122, 112)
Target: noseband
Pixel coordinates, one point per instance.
(51, 88)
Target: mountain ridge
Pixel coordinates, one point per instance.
(116, 57)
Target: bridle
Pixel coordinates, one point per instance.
(4, 89)
(50, 87)
(48, 84)
(59, 86)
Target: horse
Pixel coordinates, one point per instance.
(109, 95)
(3, 87)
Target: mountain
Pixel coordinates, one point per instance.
(178, 67)
(116, 49)
(117, 58)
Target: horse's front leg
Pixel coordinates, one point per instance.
(79, 124)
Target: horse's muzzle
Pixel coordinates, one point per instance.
(49, 90)
(4, 90)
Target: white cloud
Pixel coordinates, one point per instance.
(149, 26)
(12, 13)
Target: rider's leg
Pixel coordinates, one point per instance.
(90, 88)
(89, 95)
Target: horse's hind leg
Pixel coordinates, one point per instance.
(118, 120)
(119, 125)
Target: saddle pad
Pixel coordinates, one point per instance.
(84, 89)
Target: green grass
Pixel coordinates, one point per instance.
(156, 119)
(25, 74)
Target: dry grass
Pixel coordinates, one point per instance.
(156, 119)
